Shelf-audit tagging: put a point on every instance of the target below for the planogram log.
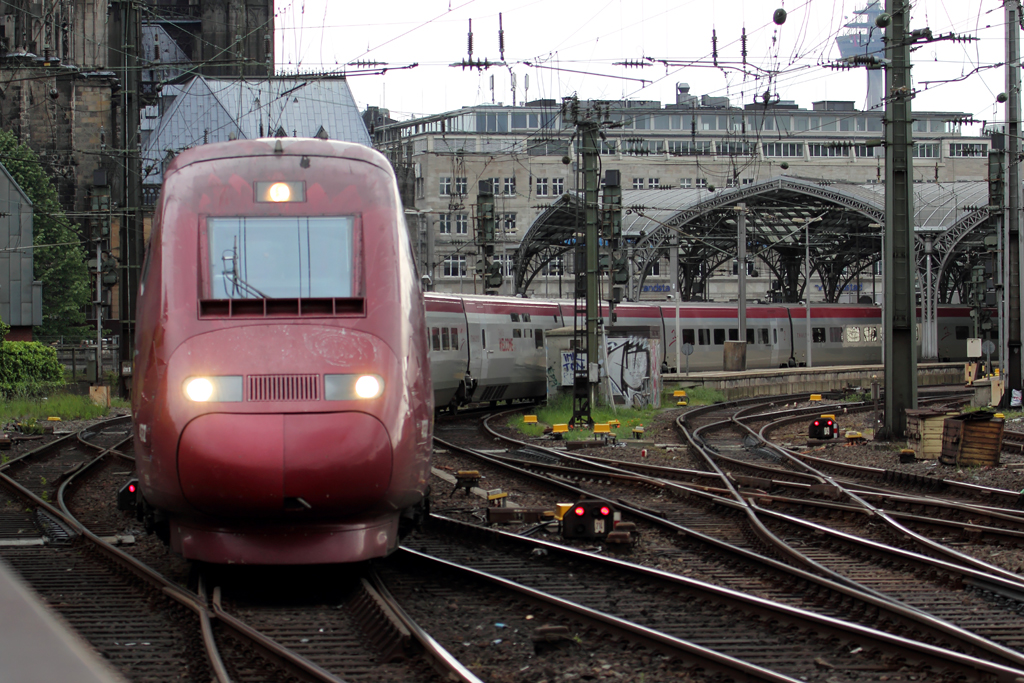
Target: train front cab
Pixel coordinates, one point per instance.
(278, 455)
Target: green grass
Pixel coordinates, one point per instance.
(559, 411)
(697, 396)
(64, 406)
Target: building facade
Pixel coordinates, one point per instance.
(529, 155)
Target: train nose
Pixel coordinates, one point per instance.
(321, 464)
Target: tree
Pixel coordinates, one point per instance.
(61, 269)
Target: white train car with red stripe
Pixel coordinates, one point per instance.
(488, 348)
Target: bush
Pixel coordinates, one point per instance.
(29, 369)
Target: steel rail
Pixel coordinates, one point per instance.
(849, 588)
(819, 622)
(192, 601)
(916, 538)
(652, 638)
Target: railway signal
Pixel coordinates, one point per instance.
(127, 497)
(823, 427)
(589, 519)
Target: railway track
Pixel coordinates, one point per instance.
(915, 569)
(149, 626)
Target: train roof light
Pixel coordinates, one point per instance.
(281, 191)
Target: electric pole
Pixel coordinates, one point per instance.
(1012, 243)
(132, 241)
(587, 376)
(487, 268)
(899, 263)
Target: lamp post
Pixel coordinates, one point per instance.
(807, 279)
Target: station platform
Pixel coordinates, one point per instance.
(780, 381)
(37, 647)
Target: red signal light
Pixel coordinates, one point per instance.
(605, 511)
(815, 423)
(131, 488)
(579, 511)
(829, 423)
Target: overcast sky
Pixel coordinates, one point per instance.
(560, 37)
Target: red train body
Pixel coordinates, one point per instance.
(279, 277)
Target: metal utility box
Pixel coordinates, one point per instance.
(924, 432)
(972, 439)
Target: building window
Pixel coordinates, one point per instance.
(731, 182)
(865, 151)
(638, 183)
(827, 150)
(508, 223)
(966, 149)
(444, 224)
(783, 149)
(557, 187)
(702, 183)
(461, 186)
(686, 183)
(734, 148)
(462, 224)
(689, 147)
(555, 267)
(506, 261)
(928, 150)
(747, 181)
(454, 266)
(495, 184)
(542, 187)
(653, 183)
(445, 186)
(420, 188)
(510, 187)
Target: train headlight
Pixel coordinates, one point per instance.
(367, 386)
(225, 388)
(199, 389)
(352, 387)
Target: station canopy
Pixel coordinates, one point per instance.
(844, 223)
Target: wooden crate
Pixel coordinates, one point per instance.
(972, 440)
(924, 431)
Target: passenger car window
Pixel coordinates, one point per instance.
(719, 336)
(734, 334)
(819, 335)
(689, 337)
(517, 333)
(446, 343)
(455, 339)
(539, 336)
(435, 339)
(852, 334)
(702, 335)
(762, 334)
(835, 335)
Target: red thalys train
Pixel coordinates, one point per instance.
(485, 348)
(283, 406)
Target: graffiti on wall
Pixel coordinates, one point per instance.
(632, 372)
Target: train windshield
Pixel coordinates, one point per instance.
(280, 258)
